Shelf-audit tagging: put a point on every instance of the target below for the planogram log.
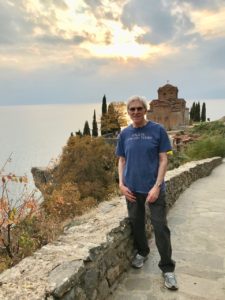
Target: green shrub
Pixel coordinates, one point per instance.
(207, 147)
(178, 158)
(209, 128)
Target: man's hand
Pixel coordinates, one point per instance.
(153, 194)
(127, 193)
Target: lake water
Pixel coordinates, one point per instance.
(35, 134)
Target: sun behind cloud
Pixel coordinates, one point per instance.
(122, 43)
(102, 37)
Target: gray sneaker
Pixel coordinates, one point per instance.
(138, 261)
(170, 280)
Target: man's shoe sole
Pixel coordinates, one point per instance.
(172, 288)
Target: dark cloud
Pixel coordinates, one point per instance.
(161, 20)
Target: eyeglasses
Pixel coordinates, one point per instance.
(139, 108)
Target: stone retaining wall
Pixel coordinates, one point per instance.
(89, 259)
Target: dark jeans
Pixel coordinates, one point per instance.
(136, 212)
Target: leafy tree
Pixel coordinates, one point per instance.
(94, 126)
(104, 124)
(110, 122)
(203, 112)
(86, 130)
(121, 109)
(113, 119)
(90, 164)
(13, 213)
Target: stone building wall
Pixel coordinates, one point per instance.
(93, 254)
(168, 109)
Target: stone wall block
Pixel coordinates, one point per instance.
(113, 274)
(94, 253)
(124, 265)
(91, 281)
(64, 277)
(70, 295)
(121, 250)
(103, 289)
(129, 249)
(102, 268)
(111, 259)
(79, 294)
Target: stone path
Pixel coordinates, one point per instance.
(197, 223)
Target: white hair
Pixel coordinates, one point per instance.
(141, 99)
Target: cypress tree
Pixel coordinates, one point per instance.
(104, 105)
(195, 112)
(192, 111)
(203, 112)
(104, 117)
(86, 130)
(94, 126)
(78, 133)
(198, 114)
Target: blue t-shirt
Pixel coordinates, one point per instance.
(141, 147)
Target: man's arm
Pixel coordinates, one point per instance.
(124, 190)
(154, 192)
(121, 166)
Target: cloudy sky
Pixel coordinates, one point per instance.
(75, 51)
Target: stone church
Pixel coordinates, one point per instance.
(168, 109)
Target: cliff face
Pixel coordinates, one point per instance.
(42, 176)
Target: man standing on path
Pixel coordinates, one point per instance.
(142, 150)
